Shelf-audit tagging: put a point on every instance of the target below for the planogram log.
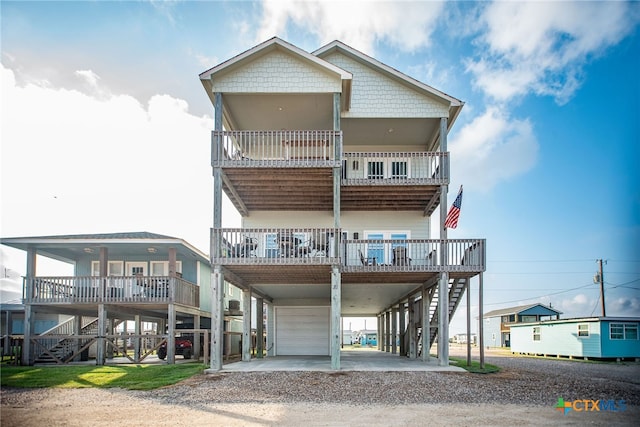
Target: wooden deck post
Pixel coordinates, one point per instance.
(402, 328)
(197, 344)
(387, 331)
(217, 320)
(443, 285)
(426, 325)
(394, 330)
(137, 326)
(443, 319)
(336, 307)
(171, 333)
(259, 328)
(29, 315)
(246, 325)
(271, 328)
(102, 331)
(413, 346)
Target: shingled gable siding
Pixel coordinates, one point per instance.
(375, 95)
(277, 72)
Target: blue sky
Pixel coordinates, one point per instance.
(100, 99)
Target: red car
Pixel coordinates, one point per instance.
(184, 347)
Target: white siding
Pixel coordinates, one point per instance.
(278, 72)
(376, 95)
(302, 331)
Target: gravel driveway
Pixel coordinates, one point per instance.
(524, 392)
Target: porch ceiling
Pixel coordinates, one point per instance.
(390, 197)
(280, 188)
(278, 111)
(315, 112)
(362, 294)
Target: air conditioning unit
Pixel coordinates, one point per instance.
(234, 305)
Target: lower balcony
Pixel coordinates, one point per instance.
(80, 290)
(307, 255)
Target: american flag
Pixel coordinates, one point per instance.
(454, 211)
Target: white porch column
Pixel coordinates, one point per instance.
(403, 329)
(171, 334)
(217, 317)
(271, 328)
(443, 285)
(443, 319)
(137, 330)
(197, 343)
(413, 345)
(29, 315)
(260, 328)
(336, 307)
(426, 327)
(387, 331)
(394, 330)
(102, 331)
(246, 325)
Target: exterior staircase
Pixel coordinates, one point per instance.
(456, 292)
(61, 349)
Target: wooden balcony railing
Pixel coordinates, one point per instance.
(460, 255)
(252, 246)
(395, 168)
(111, 289)
(286, 148)
(275, 245)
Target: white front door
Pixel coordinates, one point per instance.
(136, 268)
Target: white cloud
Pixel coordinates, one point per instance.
(492, 148)
(623, 306)
(540, 47)
(406, 26)
(579, 306)
(73, 162)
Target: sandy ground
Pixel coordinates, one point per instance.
(107, 408)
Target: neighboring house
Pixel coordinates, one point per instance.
(368, 338)
(138, 277)
(498, 323)
(336, 163)
(589, 337)
(462, 339)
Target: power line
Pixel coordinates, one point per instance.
(540, 296)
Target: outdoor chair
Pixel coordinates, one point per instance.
(367, 262)
(400, 256)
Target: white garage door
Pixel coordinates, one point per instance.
(302, 331)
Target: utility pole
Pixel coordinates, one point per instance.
(601, 277)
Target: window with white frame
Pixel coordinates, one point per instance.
(395, 168)
(623, 331)
(161, 268)
(114, 268)
(383, 253)
(583, 330)
(536, 333)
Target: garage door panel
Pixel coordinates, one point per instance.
(302, 331)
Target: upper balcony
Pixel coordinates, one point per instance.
(141, 291)
(294, 170)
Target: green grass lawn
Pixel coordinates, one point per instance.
(475, 366)
(132, 377)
